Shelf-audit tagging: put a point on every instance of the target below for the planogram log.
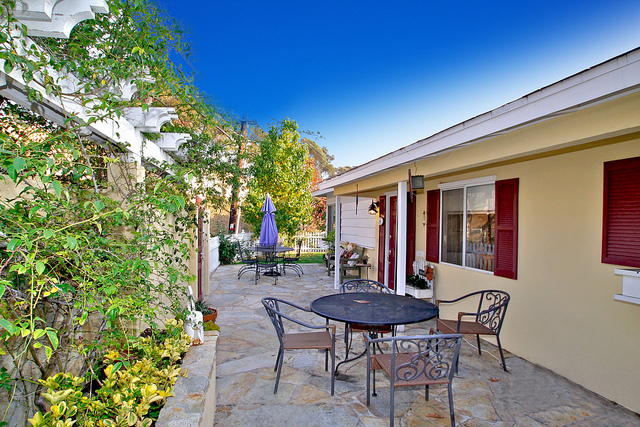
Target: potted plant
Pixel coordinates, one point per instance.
(418, 287)
(208, 313)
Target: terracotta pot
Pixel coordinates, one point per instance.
(210, 317)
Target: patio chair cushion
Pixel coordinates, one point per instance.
(307, 340)
(473, 328)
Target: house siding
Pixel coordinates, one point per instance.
(357, 227)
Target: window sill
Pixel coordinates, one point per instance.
(467, 268)
(630, 286)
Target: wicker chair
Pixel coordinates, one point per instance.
(363, 286)
(422, 360)
(321, 340)
(489, 317)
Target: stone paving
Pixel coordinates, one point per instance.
(483, 394)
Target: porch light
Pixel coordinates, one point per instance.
(373, 207)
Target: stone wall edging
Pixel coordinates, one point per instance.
(194, 397)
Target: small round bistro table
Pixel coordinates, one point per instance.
(373, 310)
(277, 249)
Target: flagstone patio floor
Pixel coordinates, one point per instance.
(483, 394)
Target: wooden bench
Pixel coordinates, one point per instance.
(354, 262)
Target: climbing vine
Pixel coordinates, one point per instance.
(92, 245)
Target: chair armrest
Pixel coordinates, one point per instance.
(480, 313)
(308, 325)
(299, 307)
(461, 298)
(461, 314)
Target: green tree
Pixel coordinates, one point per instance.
(280, 167)
(321, 159)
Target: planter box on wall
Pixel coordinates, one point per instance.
(419, 293)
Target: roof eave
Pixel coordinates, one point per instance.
(612, 79)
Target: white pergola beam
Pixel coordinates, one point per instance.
(56, 18)
(172, 141)
(151, 120)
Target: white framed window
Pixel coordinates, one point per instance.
(468, 223)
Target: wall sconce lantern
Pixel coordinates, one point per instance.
(373, 207)
(417, 182)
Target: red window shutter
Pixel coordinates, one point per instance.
(506, 246)
(411, 233)
(381, 235)
(433, 226)
(621, 219)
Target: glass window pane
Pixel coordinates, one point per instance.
(452, 226)
(480, 227)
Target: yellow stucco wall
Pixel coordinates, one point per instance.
(562, 314)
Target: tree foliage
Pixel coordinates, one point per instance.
(280, 167)
(321, 160)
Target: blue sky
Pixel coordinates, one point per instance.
(373, 76)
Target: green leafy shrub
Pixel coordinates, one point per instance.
(203, 308)
(417, 282)
(227, 249)
(133, 384)
(330, 240)
(210, 326)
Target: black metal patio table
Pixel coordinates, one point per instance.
(373, 310)
(277, 249)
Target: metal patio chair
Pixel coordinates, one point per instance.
(292, 261)
(321, 340)
(248, 263)
(422, 360)
(489, 317)
(267, 264)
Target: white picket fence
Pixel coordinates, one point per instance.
(241, 237)
(214, 254)
(214, 245)
(312, 242)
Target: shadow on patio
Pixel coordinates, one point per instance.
(483, 393)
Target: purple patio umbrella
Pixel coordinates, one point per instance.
(269, 229)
